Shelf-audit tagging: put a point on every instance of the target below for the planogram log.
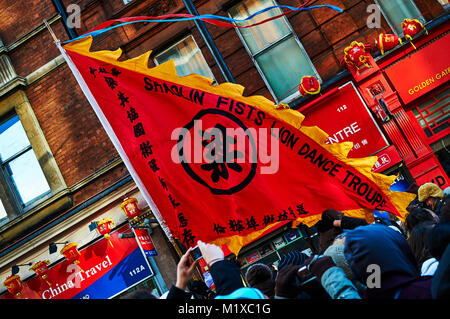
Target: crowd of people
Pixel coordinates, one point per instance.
(355, 260)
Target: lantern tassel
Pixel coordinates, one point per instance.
(44, 277)
(108, 236)
(78, 263)
(408, 37)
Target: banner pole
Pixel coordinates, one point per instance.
(49, 28)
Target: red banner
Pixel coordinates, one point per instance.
(217, 166)
(346, 118)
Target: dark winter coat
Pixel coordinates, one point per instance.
(441, 280)
(380, 245)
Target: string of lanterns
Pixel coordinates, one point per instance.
(357, 54)
(70, 250)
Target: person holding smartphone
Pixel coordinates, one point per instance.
(185, 270)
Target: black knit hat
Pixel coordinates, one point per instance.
(260, 276)
(257, 273)
(292, 258)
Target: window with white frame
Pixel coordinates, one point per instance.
(188, 58)
(21, 175)
(274, 47)
(395, 11)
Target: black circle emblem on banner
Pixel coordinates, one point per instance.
(222, 177)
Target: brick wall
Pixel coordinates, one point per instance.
(37, 51)
(75, 136)
(18, 17)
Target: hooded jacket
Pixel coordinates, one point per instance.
(380, 245)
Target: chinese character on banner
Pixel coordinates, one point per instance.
(145, 242)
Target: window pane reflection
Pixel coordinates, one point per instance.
(261, 36)
(398, 10)
(187, 57)
(13, 138)
(28, 177)
(281, 69)
(274, 47)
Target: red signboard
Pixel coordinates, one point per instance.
(145, 242)
(252, 257)
(422, 71)
(386, 159)
(345, 118)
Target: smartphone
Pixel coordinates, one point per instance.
(302, 272)
(196, 253)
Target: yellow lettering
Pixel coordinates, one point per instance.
(422, 85)
(445, 72)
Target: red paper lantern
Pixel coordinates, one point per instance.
(104, 227)
(14, 285)
(40, 268)
(356, 55)
(309, 85)
(411, 27)
(386, 42)
(71, 253)
(130, 207)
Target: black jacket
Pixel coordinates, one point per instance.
(177, 293)
(226, 277)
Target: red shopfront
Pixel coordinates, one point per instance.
(421, 79)
(345, 116)
(408, 89)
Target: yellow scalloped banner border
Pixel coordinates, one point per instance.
(168, 72)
